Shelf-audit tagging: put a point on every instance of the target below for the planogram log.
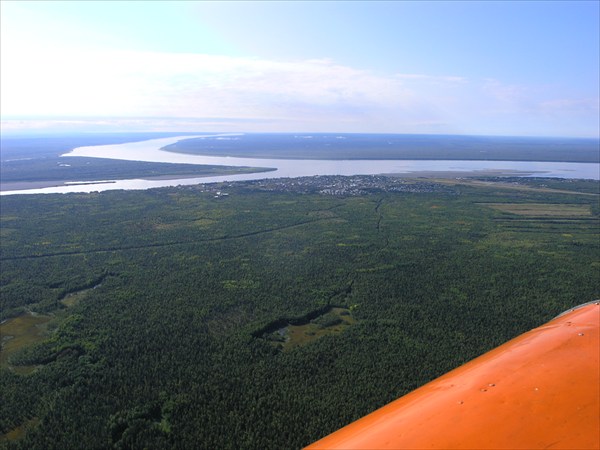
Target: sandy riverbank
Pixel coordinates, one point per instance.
(24, 185)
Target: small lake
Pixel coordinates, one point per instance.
(150, 150)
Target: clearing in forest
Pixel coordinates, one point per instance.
(542, 209)
(19, 332)
(333, 321)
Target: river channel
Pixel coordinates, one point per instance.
(150, 150)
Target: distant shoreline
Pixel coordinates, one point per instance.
(375, 147)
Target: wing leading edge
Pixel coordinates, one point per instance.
(539, 390)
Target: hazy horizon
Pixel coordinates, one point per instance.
(69, 130)
(456, 68)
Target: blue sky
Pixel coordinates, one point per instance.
(498, 68)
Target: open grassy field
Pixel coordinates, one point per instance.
(543, 209)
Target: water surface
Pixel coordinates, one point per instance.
(150, 150)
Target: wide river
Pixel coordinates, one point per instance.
(150, 150)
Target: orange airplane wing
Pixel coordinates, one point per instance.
(539, 390)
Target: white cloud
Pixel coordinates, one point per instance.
(186, 90)
(579, 106)
(39, 81)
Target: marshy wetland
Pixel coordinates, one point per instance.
(30, 328)
(19, 332)
(287, 334)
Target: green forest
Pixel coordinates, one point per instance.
(254, 316)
